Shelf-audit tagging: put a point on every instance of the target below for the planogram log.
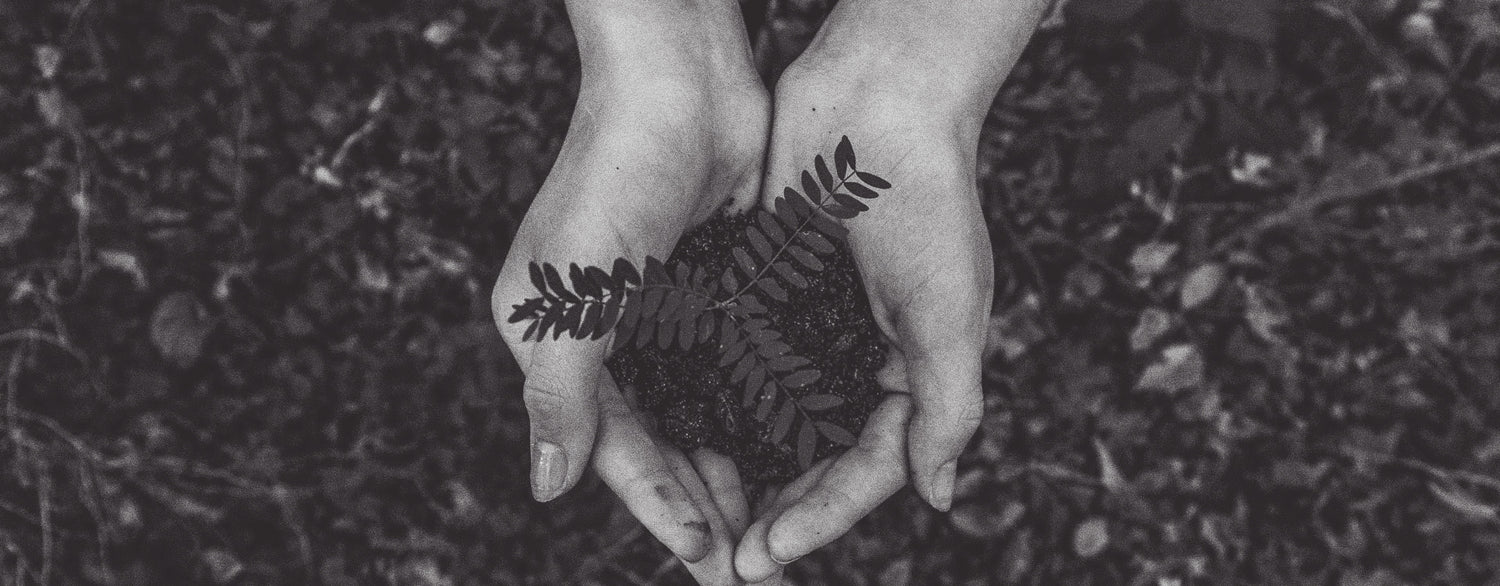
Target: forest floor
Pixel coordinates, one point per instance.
(1247, 320)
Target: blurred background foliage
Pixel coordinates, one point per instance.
(1245, 331)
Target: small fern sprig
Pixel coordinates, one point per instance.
(682, 306)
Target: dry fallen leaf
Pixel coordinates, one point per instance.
(178, 328)
(1152, 324)
(1179, 367)
(1091, 537)
(1201, 285)
(1150, 258)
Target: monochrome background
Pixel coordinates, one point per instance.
(1246, 327)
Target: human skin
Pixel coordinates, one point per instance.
(910, 83)
(670, 126)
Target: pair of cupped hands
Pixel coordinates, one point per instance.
(673, 125)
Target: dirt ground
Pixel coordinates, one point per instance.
(1247, 320)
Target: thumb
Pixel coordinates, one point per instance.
(562, 403)
(949, 406)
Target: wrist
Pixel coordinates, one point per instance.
(944, 54)
(647, 42)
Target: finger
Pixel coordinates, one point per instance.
(751, 558)
(892, 377)
(859, 480)
(629, 462)
(722, 479)
(560, 395)
(949, 407)
(717, 567)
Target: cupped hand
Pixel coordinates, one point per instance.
(924, 254)
(662, 136)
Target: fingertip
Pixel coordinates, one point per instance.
(549, 470)
(696, 548)
(752, 561)
(942, 486)
(784, 541)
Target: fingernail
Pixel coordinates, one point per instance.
(783, 562)
(942, 486)
(771, 543)
(700, 547)
(549, 470)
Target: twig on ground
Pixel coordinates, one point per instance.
(1304, 207)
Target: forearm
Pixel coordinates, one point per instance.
(658, 36)
(962, 48)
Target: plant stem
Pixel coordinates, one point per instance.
(800, 227)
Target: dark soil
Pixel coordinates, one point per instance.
(692, 398)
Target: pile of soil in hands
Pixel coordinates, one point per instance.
(691, 397)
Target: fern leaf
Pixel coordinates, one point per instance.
(771, 227)
(624, 273)
(742, 370)
(751, 304)
(772, 289)
(784, 419)
(801, 378)
(860, 190)
(656, 272)
(758, 332)
(785, 363)
(730, 334)
(807, 259)
(822, 402)
(784, 213)
(774, 349)
(873, 180)
(734, 351)
(728, 282)
(569, 322)
(706, 327)
(758, 242)
(553, 314)
(848, 201)
(529, 309)
(682, 274)
(763, 410)
(843, 156)
(585, 286)
(652, 303)
(590, 322)
(756, 379)
(828, 227)
(790, 274)
(536, 276)
(817, 242)
(687, 332)
(670, 305)
(630, 317)
(531, 330)
(745, 262)
(554, 280)
(836, 433)
(825, 177)
(600, 278)
(798, 204)
(810, 185)
(839, 211)
(608, 316)
(807, 440)
(752, 393)
(666, 334)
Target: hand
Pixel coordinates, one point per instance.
(912, 101)
(670, 124)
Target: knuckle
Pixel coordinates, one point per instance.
(544, 395)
